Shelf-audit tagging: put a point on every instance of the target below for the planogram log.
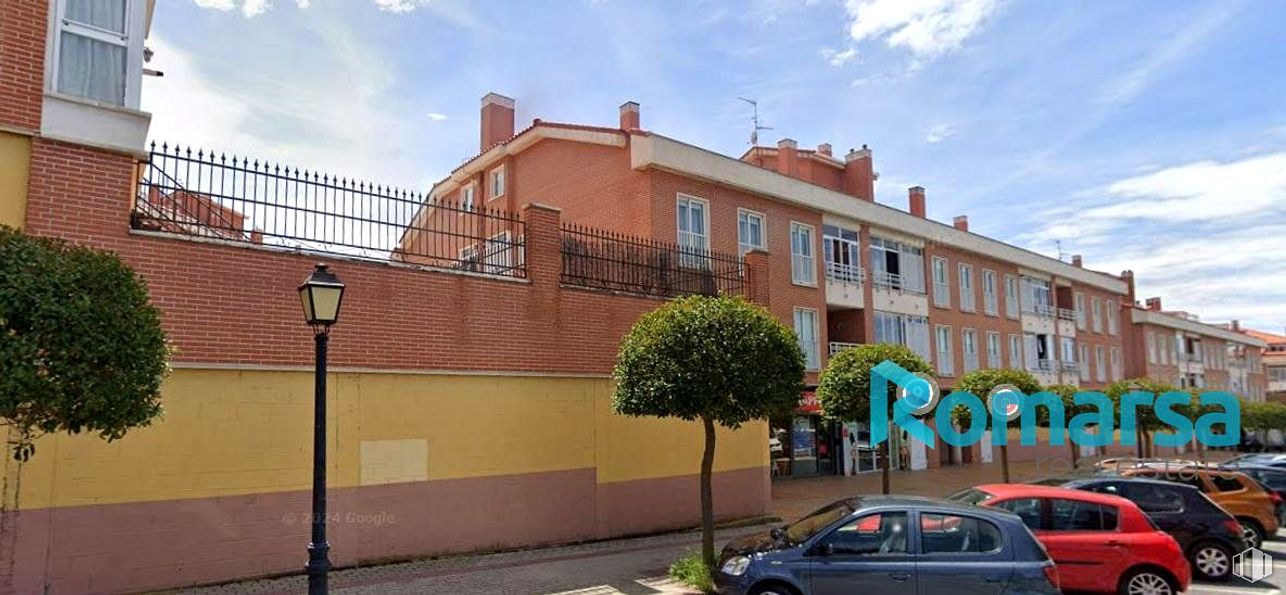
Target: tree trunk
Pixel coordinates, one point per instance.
(1075, 451)
(1138, 444)
(1004, 460)
(884, 466)
(707, 497)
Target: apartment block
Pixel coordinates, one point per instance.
(1177, 348)
(1274, 362)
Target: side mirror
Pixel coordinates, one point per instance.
(824, 550)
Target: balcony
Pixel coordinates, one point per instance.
(1067, 314)
(845, 273)
(1069, 366)
(838, 346)
(892, 281)
(1192, 357)
(1046, 365)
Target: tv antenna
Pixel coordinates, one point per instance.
(1059, 244)
(754, 134)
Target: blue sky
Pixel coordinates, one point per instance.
(1139, 137)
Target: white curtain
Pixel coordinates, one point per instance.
(92, 69)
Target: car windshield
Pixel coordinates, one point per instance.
(804, 528)
(970, 496)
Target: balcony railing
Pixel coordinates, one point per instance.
(838, 346)
(1067, 366)
(1046, 365)
(845, 273)
(599, 259)
(1043, 310)
(230, 199)
(887, 280)
(1067, 314)
(1192, 357)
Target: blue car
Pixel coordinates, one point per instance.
(893, 545)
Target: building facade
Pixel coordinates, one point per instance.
(1274, 362)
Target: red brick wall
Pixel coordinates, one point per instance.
(593, 184)
(22, 62)
(978, 320)
(1104, 338)
(231, 304)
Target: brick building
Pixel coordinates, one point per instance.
(1274, 362)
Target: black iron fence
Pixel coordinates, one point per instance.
(609, 261)
(202, 194)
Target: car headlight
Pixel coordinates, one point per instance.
(736, 565)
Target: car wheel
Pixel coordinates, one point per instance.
(1212, 561)
(772, 589)
(1144, 581)
(1251, 533)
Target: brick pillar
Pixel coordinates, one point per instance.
(544, 262)
(757, 278)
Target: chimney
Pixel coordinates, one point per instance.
(916, 196)
(824, 149)
(629, 115)
(497, 120)
(1153, 304)
(1077, 262)
(1236, 325)
(961, 222)
(1128, 277)
(859, 174)
(788, 158)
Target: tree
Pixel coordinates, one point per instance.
(1145, 418)
(980, 383)
(1067, 393)
(844, 388)
(721, 360)
(81, 347)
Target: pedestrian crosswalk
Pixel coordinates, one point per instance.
(658, 585)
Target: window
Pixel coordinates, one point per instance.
(993, 350)
(1114, 364)
(1100, 368)
(967, 295)
(945, 359)
(989, 300)
(1111, 317)
(693, 225)
(883, 533)
(466, 198)
(1075, 515)
(969, 346)
(895, 265)
(1067, 350)
(1016, 352)
(1011, 296)
(1096, 314)
(1037, 296)
(1027, 509)
(497, 182)
(952, 534)
(843, 254)
(1153, 498)
(1038, 351)
(1083, 362)
(1080, 311)
(903, 329)
(806, 331)
(803, 268)
(750, 231)
(941, 283)
(1226, 483)
(1150, 340)
(92, 50)
(500, 255)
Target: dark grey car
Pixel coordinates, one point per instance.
(898, 545)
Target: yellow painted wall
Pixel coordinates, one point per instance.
(228, 432)
(15, 165)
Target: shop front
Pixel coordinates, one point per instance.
(806, 444)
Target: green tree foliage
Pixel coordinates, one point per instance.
(844, 389)
(1067, 394)
(1145, 418)
(81, 347)
(1263, 416)
(721, 360)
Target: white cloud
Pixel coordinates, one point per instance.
(939, 133)
(399, 5)
(436, 117)
(838, 58)
(928, 28)
(254, 8)
(1202, 235)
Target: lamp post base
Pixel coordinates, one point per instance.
(318, 566)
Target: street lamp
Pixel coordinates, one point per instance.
(321, 294)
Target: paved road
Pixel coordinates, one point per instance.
(1271, 585)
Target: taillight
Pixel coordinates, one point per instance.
(1051, 575)
(1232, 525)
(1277, 499)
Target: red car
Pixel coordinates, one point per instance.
(1100, 542)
